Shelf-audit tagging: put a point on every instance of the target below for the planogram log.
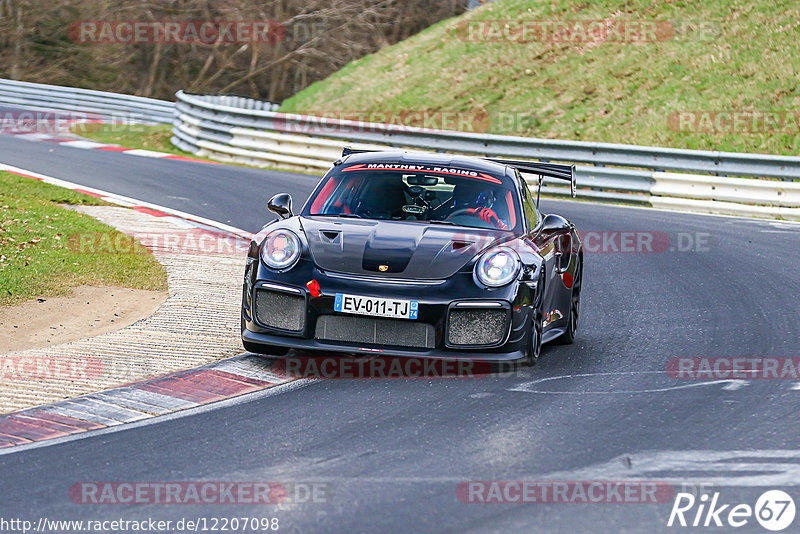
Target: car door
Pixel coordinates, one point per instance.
(554, 243)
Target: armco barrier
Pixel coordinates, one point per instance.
(249, 131)
(245, 130)
(84, 103)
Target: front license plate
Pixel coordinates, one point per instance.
(376, 306)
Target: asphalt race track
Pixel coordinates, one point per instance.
(388, 455)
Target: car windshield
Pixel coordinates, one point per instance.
(419, 193)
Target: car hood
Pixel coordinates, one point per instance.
(397, 249)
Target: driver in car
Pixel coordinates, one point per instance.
(477, 202)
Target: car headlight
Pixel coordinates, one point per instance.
(497, 267)
(280, 249)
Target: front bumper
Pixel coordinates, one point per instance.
(436, 303)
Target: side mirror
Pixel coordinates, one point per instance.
(281, 204)
(553, 224)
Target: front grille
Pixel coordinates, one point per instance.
(278, 309)
(476, 326)
(374, 331)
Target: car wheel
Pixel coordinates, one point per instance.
(574, 309)
(535, 342)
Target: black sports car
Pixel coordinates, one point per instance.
(415, 254)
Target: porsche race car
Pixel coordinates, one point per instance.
(416, 254)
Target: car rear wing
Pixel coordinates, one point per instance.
(551, 170)
(559, 171)
(346, 151)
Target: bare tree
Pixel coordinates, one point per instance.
(314, 38)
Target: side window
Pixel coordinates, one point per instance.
(528, 204)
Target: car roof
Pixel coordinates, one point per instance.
(428, 158)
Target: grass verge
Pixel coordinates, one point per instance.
(39, 252)
(707, 59)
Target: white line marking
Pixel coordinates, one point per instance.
(736, 384)
(530, 387)
(739, 468)
(35, 136)
(83, 144)
(144, 153)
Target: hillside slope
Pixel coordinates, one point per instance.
(718, 74)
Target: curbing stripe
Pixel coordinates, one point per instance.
(144, 153)
(69, 411)
(14, 426)
(242, 378)
(90, 193)
(251, 367)
(79, 142)
(14, 440)
(181, 389)
(90, 404)
(83, 144)
(160, 401)
(135, 402)
(67, 429)
(79, 424)
(216, 384)
(186, 158)
(150, 211)
(125, 402)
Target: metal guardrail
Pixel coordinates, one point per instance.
(244, 130)
(85, 103)
(721, 163)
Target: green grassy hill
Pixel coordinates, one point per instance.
(679, 82)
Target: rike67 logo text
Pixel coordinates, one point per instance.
(774, 510)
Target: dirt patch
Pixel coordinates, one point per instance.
(88, 311)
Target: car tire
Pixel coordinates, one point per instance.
(535, 342)
(568, 337)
